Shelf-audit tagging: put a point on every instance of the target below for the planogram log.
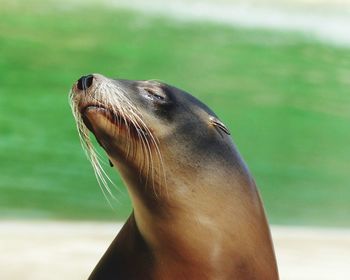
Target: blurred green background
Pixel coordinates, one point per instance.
(284, 96)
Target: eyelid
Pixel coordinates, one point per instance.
(154, 94)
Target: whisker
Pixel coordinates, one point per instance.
(125, 115)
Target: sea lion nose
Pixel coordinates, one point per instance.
(85, 82)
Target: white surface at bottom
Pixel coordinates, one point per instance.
(70, 250)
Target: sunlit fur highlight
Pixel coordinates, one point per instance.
(107, 95)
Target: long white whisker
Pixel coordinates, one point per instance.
(126, 114)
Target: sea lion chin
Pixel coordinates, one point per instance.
(196, 211)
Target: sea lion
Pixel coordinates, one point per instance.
(196, 211)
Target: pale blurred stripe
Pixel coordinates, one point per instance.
(70, 250)
(327, 21)
(324, 20)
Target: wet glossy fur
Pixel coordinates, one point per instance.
(198, 214)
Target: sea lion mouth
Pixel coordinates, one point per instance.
(111, 116)
(120, 121)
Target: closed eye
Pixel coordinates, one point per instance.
(154, 95)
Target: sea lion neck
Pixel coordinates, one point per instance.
(193, 183)
(191, 229)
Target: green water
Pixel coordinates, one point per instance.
(284, 97)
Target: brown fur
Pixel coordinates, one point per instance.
(197, 214)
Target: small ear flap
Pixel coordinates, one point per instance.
(219, 125)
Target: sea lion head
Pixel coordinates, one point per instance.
(161, 138)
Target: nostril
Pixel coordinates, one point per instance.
(85, 82)
(88, 80)
(80, 83)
